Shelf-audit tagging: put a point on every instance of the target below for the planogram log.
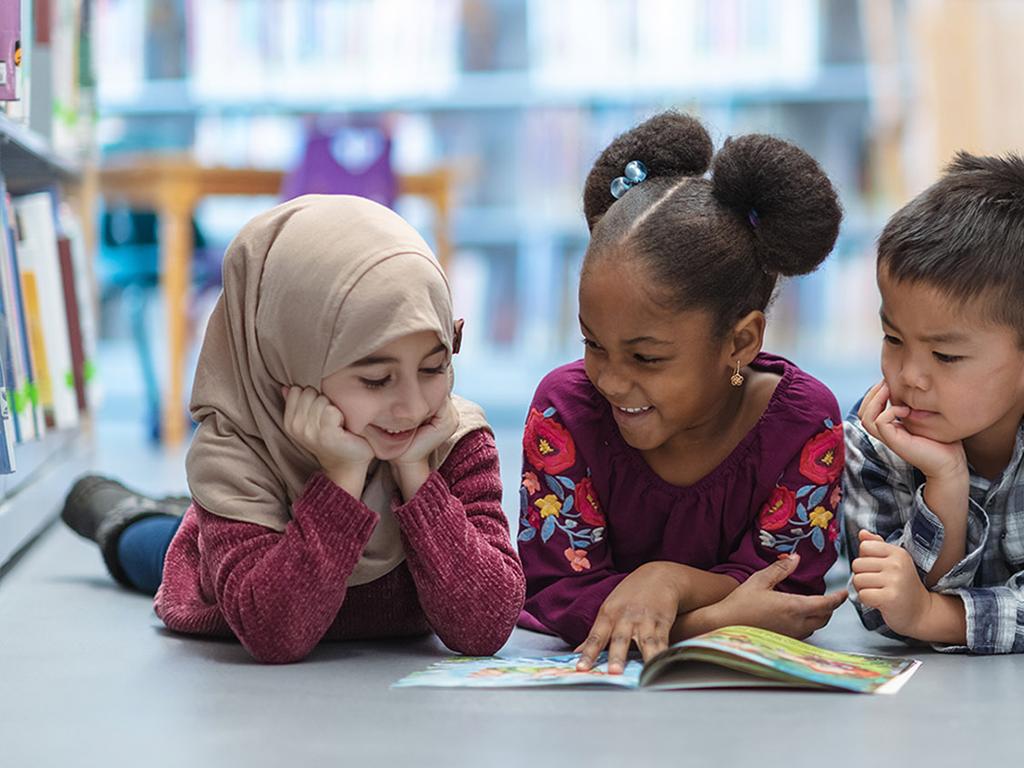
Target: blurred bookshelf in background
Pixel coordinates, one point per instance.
(518, 96)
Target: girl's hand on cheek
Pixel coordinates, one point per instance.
(430, 435)
(881, 419)
(316, 424)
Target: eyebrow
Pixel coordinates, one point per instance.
(932, 338)
(384, 359)
(634, 340)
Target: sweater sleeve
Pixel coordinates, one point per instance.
(800, 514)
(279, 592)
(458, 549)
(567, 557)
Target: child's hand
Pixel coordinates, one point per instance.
(886, 578)
(756, 603)
(429, 436)
(314, 423)
(938, 461)
(642, 608)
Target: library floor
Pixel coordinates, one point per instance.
(88, 676)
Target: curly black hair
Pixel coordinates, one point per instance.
(716, 241)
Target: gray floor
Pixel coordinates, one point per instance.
(89, 677)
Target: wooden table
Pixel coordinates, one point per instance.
(173, 187)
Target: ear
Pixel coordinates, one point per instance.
(744, 341)
(457, 336)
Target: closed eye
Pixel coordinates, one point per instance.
(374, 383)
(947, 359)
(644, 360)
(890, 339)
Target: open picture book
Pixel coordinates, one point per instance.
(731, 657)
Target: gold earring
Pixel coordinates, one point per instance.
(737, 378)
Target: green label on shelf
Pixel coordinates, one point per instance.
(20, 401)
(69, 380)
(89, 370)
(32, 391)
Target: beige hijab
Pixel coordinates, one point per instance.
(310, 286)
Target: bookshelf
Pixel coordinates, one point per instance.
(518, 97)
(30, 497)
(42, 180)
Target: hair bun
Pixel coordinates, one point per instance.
(668, 144)
(788, 199)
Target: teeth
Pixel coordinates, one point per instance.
(396, 432)
(635, 410)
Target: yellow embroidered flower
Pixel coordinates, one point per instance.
(820, 517)
(548, 506)
(544, 447)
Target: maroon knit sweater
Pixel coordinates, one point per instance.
(281, 593)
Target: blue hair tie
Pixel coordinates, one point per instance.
(753, 219)
(635, 173)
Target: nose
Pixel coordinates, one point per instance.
(611, 381)
(914, 375)
(410, 405)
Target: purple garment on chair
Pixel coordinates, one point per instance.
(351, 161)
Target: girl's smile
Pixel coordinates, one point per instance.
(387, 397)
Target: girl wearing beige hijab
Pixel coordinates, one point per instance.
(338, 488)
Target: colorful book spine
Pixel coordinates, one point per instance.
(41, 272)
(24, 399)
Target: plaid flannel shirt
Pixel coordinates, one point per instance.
(885, 495)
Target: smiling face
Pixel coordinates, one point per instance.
(961, 375)
(662, 371)
(386, 396)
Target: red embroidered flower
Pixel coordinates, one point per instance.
(833, 529)
(587, 503)
(821, 460)
(533, 517)
(548, 445)
(778, 509)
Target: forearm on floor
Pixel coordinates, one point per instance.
(944, 622)
(948, 501)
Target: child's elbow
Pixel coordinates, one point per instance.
(280, 651)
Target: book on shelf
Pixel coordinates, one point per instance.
(730, 657)
(81, 306)
(45, 307)
(21, 382)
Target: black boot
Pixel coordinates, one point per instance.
(100, 508)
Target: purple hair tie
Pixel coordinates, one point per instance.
(753, 219)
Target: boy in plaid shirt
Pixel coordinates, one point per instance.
(934, 478)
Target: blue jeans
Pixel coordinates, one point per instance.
(142, 548)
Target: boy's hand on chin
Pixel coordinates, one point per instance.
(881, 419)
(886, 578)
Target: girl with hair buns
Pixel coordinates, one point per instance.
(338, 489)
(678, 478)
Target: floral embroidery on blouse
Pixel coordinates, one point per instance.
(788, 517)
(821, 460)
(548, 445)
(569, 507)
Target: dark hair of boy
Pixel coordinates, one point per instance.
(716, 243)
(964, 236)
